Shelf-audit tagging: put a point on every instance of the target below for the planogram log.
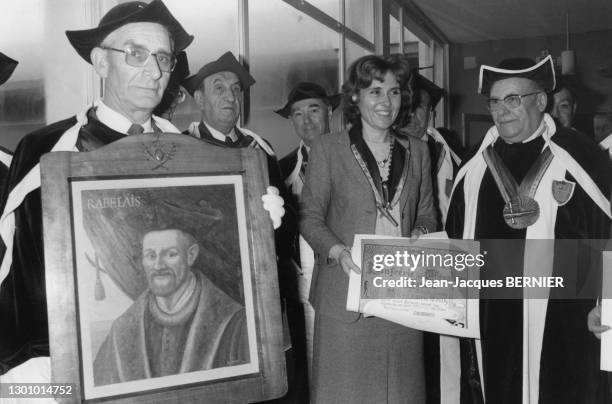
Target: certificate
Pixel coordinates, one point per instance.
(420, 284)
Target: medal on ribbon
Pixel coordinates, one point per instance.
(383, 204)
(521, 209)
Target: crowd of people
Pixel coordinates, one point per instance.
(388, 172)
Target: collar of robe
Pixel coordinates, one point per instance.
(182, 315)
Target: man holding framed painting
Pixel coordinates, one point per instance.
(133, 50)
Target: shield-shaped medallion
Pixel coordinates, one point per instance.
(562, 191)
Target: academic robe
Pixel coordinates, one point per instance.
(5, 162)
(540, 350)
(23, 304)
(213, 336)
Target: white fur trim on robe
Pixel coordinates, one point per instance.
(194, 131)
(5, 158)
(450, 357)
(31, 181)
(538, 260)
(445, 173)
(293, 180)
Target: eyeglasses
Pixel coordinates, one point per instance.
(511, 101)
(138, 56)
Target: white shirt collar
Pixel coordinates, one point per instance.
(606, 144)
(538, 132)
(218, 135)
(304, 145)
(116, 121)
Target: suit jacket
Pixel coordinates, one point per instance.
(338, 202)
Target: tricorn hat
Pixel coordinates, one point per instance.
(305, 90)
(543, 73)
(226, 63)
(420, 82)
(7, 66)
(125, 13)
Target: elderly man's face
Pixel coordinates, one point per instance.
(419, 118)
(220, 100)
(167, 257)
(517, 124)
(134, 91)
(564, 107)
(310, 118)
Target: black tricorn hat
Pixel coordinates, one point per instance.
(226, 63)
(543, 73)
(305, 90)
(125, 13)
(7, 66)
(420, 82)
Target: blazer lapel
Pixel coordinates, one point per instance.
(356, 140)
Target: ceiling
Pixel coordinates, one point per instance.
(464, 21)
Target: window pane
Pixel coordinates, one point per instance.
(204, 19)
(394, 35)
(360, 17)
(22, 97)
(329, 7)
(354, 52)
(411, 47)
(293, 48)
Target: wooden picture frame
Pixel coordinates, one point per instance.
(136, 226)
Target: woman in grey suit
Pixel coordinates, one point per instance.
(364, 180)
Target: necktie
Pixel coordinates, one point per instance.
(229, 141)
(304, 160)
(135, 129)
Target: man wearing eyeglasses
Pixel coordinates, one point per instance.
(531, 179)
(133, 49)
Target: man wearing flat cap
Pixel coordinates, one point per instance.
(530, 180)
(309, 109)
(133, 49)
(217, 89)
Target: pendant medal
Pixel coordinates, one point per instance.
(521, 212)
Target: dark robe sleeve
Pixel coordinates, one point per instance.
(234, 346)
(285, 235)
(23, 304)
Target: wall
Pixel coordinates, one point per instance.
(591, 55)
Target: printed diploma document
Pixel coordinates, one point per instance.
(426, 284)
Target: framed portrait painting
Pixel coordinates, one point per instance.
(160, 270)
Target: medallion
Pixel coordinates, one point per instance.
(521, 212)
